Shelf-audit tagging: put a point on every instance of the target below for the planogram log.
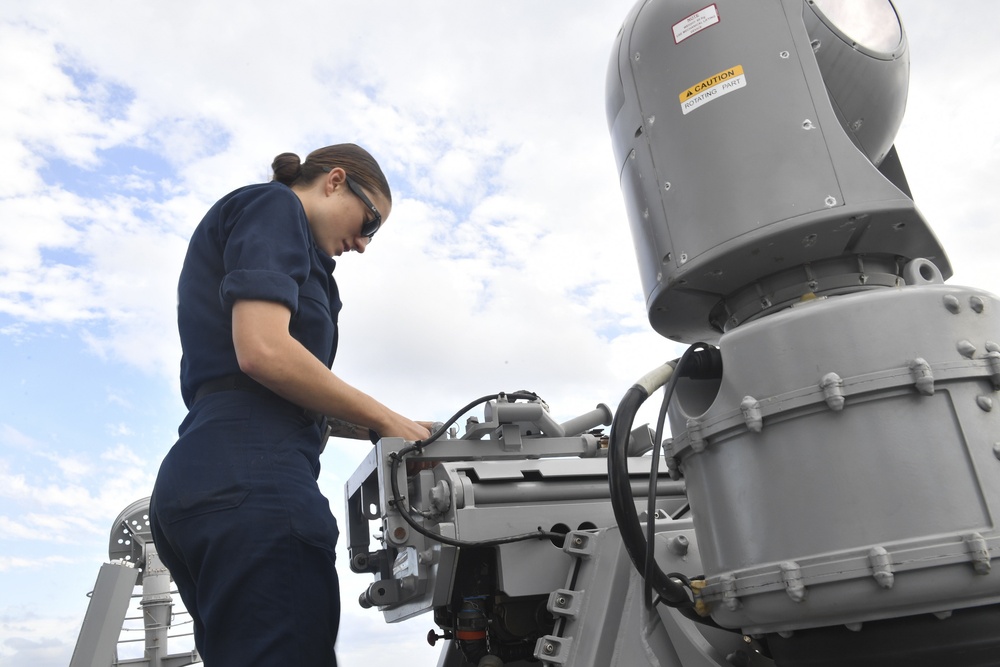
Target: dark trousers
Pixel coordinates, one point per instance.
(238, 519)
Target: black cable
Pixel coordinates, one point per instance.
(523, 395)
(622, 501)
(684, 509)
(683, 368)
(397, 498)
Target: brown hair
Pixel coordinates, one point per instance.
(356, 161)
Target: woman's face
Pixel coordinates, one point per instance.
(336, 214)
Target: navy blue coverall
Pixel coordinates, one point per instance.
(236, 513)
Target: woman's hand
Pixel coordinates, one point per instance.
(401, 427)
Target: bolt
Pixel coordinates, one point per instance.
(548, 649)
(560, 602)
(577, 541)
(678, 545)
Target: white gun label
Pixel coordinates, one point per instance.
(701, 19)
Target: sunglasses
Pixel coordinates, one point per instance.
(371, 225)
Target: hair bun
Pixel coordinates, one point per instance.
(287, 167)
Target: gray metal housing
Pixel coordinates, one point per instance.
(742, 203)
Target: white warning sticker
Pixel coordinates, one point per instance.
(704, 92)
(701, 19)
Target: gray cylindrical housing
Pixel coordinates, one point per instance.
(845, 468)
(741, 184)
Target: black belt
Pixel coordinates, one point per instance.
(243, 382)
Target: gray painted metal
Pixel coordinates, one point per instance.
(131, 544)
(758, 190)
(95, 647)
(815, 466)
(516, 481)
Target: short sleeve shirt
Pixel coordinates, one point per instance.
(254, 243)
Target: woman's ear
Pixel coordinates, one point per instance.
(335, 177)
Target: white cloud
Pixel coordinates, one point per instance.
(13, 563)
(120, 430)
(11, 437)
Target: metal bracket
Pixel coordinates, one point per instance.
(564, 602)
(553, 650)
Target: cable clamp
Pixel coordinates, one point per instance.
(979, 552)
(694, 435)
(881, 563)
(791, 574)
(923, 376)
(833, 391)
(750, 407)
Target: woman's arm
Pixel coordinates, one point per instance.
(269, 354)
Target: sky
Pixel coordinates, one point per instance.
(506, 263)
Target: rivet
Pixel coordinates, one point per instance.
(996, 449)
(952, 304)
(977, 304)
(399, 533)
(984, 402)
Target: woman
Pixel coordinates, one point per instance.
(236, 513)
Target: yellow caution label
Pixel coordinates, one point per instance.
(724, 82)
